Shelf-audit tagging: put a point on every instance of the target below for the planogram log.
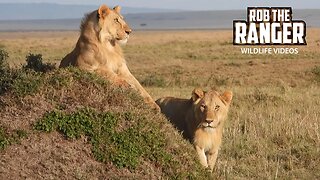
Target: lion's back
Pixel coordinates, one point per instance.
(176, 110)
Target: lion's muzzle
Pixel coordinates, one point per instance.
(210, 123)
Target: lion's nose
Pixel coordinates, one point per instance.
(128, 31)
(209, 121)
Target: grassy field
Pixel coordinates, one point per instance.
(273, 127)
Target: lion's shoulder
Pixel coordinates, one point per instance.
(176, 110)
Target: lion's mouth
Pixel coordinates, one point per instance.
(210, 125)
(122, 41)
(122, 37)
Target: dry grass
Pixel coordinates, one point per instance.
(273, 128)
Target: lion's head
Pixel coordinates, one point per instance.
(210, 108)
(108, 24)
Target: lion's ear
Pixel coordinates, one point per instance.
(226, 97)
(117, 9)
(103, 11)
(197, 93)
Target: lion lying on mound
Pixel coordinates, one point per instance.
(201, 120)
(98, 50)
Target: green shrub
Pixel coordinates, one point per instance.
(124, 147)
(3, 59)
(26, 82)
(22, 82)
(8, 139)
(34, 62)
(4, 141)
(5, 81)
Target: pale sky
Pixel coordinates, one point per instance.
(186, 4)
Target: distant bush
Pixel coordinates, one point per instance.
(264, 98)
(34, 62)
(22, 82)
(316, 72)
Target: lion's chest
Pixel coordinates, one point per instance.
(112, 61)
(207, 139)
(115, 65)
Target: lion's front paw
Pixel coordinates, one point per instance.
(155, 107)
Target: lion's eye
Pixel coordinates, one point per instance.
(203, 107)
(217, 107)
(116, 20)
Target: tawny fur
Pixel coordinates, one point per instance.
(201, 120)
(98, 50)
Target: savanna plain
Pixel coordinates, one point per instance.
(272, 131)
